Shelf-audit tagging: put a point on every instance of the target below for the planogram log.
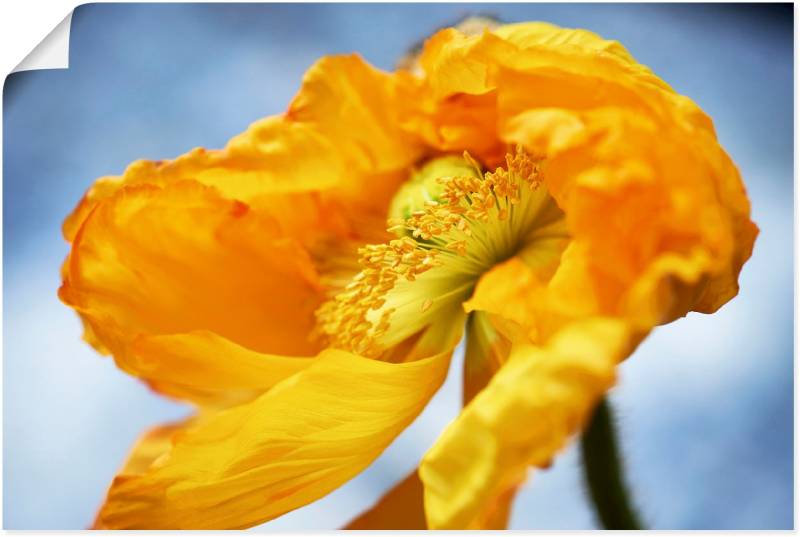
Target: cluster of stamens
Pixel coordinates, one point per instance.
(343, 320)
(433, 235)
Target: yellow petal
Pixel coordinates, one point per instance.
(340, 135)
(724, 285)
(456, 109)
(261, 165)
(496, 512)
(516, 298)
(150, 446)
(357, 109)
(663, 193)
(399, 509)
(266, 159)
(532, 34)
(537, 400)
(354, 106)
(182, 261)
(637, 168)
(455, 62)
(206, 368)
(472, 81)
(458, 63)
(402, 509)
(516, 59)
(291, 446)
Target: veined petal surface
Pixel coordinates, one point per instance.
(294, 444)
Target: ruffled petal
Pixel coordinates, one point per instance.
(636, 167)
(340, 136)
(273, 157)
(354, 106)
(291, 446)
(454, 110)
(183, 262)
(455, 62)
(538, 65)
(517, 301)
(531, 407)
(472, 81)
(636, 205)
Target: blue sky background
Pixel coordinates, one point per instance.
(705, 404)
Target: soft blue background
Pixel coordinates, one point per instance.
(705, 404)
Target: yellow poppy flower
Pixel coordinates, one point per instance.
(542, 189)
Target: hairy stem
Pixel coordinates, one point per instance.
(604, 475)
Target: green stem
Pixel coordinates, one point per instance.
(603, 469)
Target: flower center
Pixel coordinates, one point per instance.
(453, 223)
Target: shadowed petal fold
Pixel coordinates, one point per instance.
(184, 287)
(401, 508)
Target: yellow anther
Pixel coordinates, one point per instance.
(442, 221)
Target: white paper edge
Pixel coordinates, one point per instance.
(52, 52)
